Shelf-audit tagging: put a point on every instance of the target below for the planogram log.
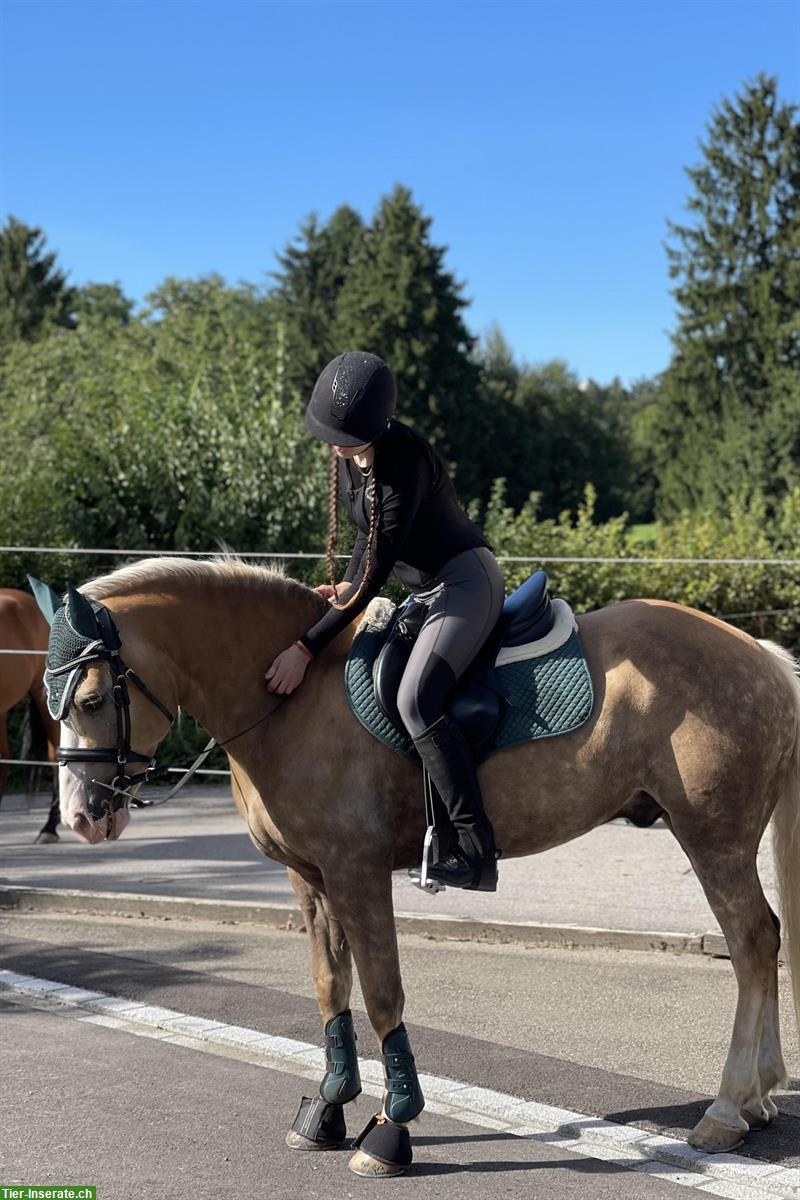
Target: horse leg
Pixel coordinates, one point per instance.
(49, 831)
(771, 1067)
(364, 906)
(733, 890)
(320, 1124)
(44, 742)
(5, 752)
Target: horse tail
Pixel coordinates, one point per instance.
(786, 832)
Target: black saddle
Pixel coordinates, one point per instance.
(476, 702)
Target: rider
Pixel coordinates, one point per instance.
(397, 492)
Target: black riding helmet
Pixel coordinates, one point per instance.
(353, 400)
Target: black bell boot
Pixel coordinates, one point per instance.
(317, 1126)
(472, 863)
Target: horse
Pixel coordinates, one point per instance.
(693, 719)
(22, 627)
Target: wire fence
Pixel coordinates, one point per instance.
(288, 556)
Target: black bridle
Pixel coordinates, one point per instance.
(121, 754)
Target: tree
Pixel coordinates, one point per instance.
(730, 416)
(641, 430)
(313, 269)
(552, 434)
(398, 300)
(34, 294)
(169, 432)
(103, 302)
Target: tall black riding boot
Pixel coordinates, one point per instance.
(472, 863)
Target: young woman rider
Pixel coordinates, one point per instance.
(397, 492)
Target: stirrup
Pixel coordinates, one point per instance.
(420, 876)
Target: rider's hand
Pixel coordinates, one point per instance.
(287, 671)
(331, 593)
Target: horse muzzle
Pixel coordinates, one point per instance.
(93, 829)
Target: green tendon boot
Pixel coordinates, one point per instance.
(472, 863)
(342, 1080)
(402, 1098)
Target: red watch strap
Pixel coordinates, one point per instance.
(304, 648)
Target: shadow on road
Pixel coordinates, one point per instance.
(776, 1143)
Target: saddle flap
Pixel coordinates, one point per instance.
(475, 708)
(388, 668)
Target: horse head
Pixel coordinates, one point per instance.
(111, 722)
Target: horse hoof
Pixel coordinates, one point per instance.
(46, 839)
(713, 1137)
(372, 1168)
(296, 1141)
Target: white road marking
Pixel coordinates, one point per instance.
(726, 1175)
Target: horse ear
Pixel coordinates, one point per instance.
(80, 614)
(46, 597)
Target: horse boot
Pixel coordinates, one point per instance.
(472, 862)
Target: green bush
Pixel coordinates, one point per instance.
(174, 433)
(744, 531)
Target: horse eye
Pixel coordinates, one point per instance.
(91, 703)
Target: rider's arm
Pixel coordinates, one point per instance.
(355, 558)
(401, 493)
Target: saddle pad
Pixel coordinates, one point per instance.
(547, 695)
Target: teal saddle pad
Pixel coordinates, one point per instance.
(545, 696)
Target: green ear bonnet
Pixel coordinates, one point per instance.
(75, 639)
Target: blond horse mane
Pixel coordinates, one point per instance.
(152, 574)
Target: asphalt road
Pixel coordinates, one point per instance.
(636, 1038)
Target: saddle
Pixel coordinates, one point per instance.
(527, 617)
(530, 680)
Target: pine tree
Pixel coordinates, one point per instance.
(399, 300)
(312, 272)
(34, 294)
(730, 417)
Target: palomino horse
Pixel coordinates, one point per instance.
(22, 627)
(688, 711)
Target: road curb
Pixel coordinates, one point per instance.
(525, 933)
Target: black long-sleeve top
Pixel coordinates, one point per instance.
(421, 525)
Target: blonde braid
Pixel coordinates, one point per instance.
(370, 550)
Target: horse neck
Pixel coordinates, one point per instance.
(216, 642)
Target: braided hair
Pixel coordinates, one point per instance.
(333, 531)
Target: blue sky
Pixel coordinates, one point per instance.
(546, 140)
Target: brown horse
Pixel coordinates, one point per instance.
(691, 714)
(22, 627)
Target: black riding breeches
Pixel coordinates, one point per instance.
(463, 602)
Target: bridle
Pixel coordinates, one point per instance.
(107, 650)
